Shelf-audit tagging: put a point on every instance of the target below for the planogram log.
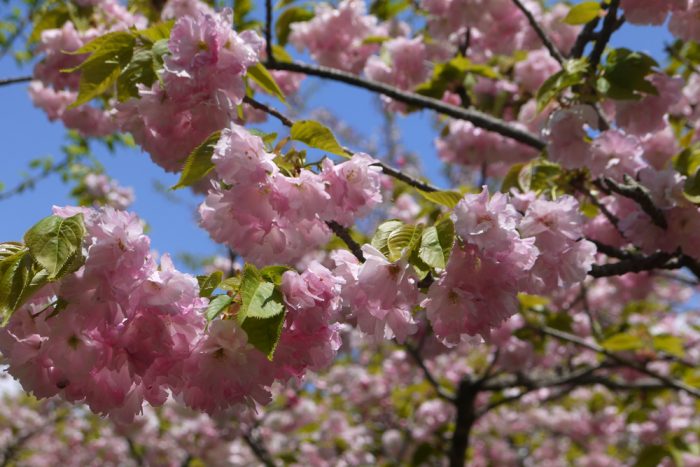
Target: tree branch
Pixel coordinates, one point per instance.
(640, 194)
(610, 24)
(19, 79)
(344, 235)
(553, 51)
(268, 31)
(466, 417)
(668, 382)
(479, 119)
(258, 449)
(413, 352)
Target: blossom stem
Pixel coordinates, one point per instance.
(18, 79)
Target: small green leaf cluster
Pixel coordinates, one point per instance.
(51, 250)
(254, 299)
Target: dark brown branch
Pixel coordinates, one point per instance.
(413, 352)
(268, 31)
(466, 417)
(553, 51)
(642, 368)
(610, 24)
(585, 36)
(479, 119)
(637, 263)
(19, 79)
(258, 449)
(640, 194)
(284, 120)
(344, 235)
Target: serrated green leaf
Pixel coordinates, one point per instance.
(208, 284)
(691, 188)
(280, 54)
(622, 342)
(316, 135)
(583, 13)
(100, 71)
(403, 241)
(265, 80)
(198, 164)
(55, 243)
(264, 333)
(262, 310)
(379, 240)
(217, 305)
(20, 277)
(283, 26)
(445, 198)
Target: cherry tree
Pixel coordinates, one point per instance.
(536, 306)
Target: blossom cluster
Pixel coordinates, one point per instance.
(506, 247)
(269, 217)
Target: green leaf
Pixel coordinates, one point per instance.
(264, 79)
(158, 31)
(20, 277)
(379, 240)
(651, 456)
(262, 310)
(511, 180)
(403, 241)
(56, 244)
(283, 26)
(217, 305)
(583, 13)
(387, 9)
(198, 164)
(317, 136)
(624, 75)
(622, 342)
(574, 73)
(688, 161)
(208, 284)
(445, 198)
(691, 188)
(672, 345)
(436, 244)
(100, 71)
(140, 70)
(280, 54)
(264, 333)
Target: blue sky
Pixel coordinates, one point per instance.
(26, 134)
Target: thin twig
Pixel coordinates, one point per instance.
(268, 31)
(553, 51)
(18, 79)
(441, 392)
(479, 119)
(668, 381)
